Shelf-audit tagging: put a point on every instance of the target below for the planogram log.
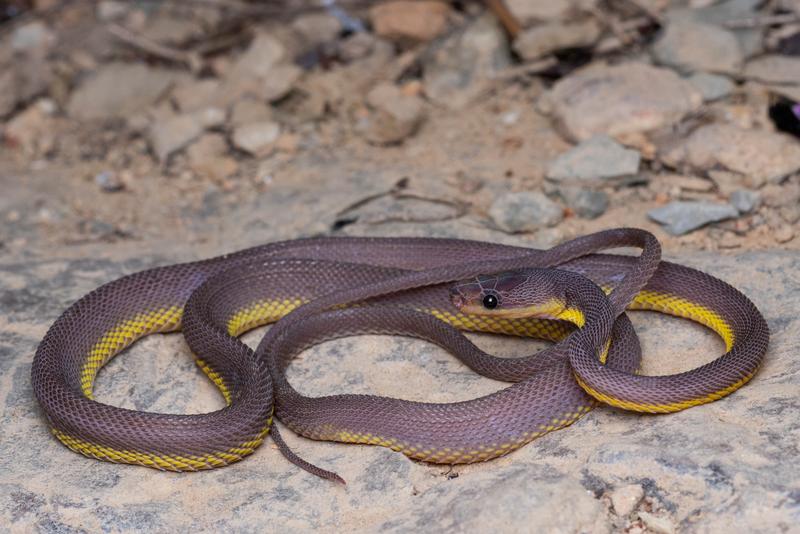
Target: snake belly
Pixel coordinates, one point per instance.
(100, 325)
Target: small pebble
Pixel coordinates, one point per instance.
(681, 217)
(744, 200)
(525, 212)
(598, 158)
(109, 182)
(626, 498)
(662, 525)
(586, 203)
(784, 234)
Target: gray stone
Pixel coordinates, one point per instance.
(264, 52)
(774, 69)
(681, 217)
(317, 28)
(526, 211)
(109, 181)
(744, 200)
(32, 36)
(543, 39)
(257, 138)
(711, 86)
(689, 46)
(761, 155)
(597, 159)
(721, 13)
(119, 90)
(529, 11)
(620, 99)
(586, 203)
(458, 71)
(171, 134)
(395, 115)
(626, 498)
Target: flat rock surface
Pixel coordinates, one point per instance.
(714, 468)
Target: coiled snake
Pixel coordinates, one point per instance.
(322, 288)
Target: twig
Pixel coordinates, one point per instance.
(506, 18)
(526, 69)
(191, 60)
(764, 20)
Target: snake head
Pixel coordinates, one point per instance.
(515, 294)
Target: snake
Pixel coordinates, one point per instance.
(315, 289)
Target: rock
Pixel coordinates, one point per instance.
(168, 30)
(626, 498)
(759, 154)
(257, 138)
(414, 20)
(23, 80)
(32, 36)
(208, 156)
(681, 217)
(784, 234)
(541, 40)
(620, 99)
(194, 95)
(317, 28)
(658, 524)
(171, 134)
(394, 115)
(119, 90)
(109, 181)
(111, 9)
(597, 159)
(247, 110)
(744, 200)
(790, 213)
(774, 69)
(526, 211)
(711, 86)
(32, 129)
(264, 52)
(457, 72)
(586, 203)
(690, 46)
(280, 82)
(530, 11)
(357, 46)
(719, 14)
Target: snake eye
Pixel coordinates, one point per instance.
(490, 302)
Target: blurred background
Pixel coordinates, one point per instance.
(224, 123)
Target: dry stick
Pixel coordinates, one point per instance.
(192, 61)
(765, 20)
(506, 18)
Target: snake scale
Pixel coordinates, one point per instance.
(316, 289)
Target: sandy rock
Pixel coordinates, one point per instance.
(526, 211)
(256, 138)
(208, 156)
(317, 28)
(657, 523)
(193, 95)
(681, 217)
(248, 110)
(394, 115)
(530, 11)
(744, 200)
(626, 498)
(416, 20)
(541, 40)
(620, 99)
(711, 86)
(586, 203)
(597, 159)
(774, 69)
(689, 46)
(31, 129)
(264, 52)
(458, 71)
(24, 79)
(719, 14)
(280, 82)
(32, 36)
(109, 182)
(119, 90)
(171, 134)
(784, 233)
(759, 154)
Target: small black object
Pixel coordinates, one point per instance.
(490, 302)
(785, 115)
